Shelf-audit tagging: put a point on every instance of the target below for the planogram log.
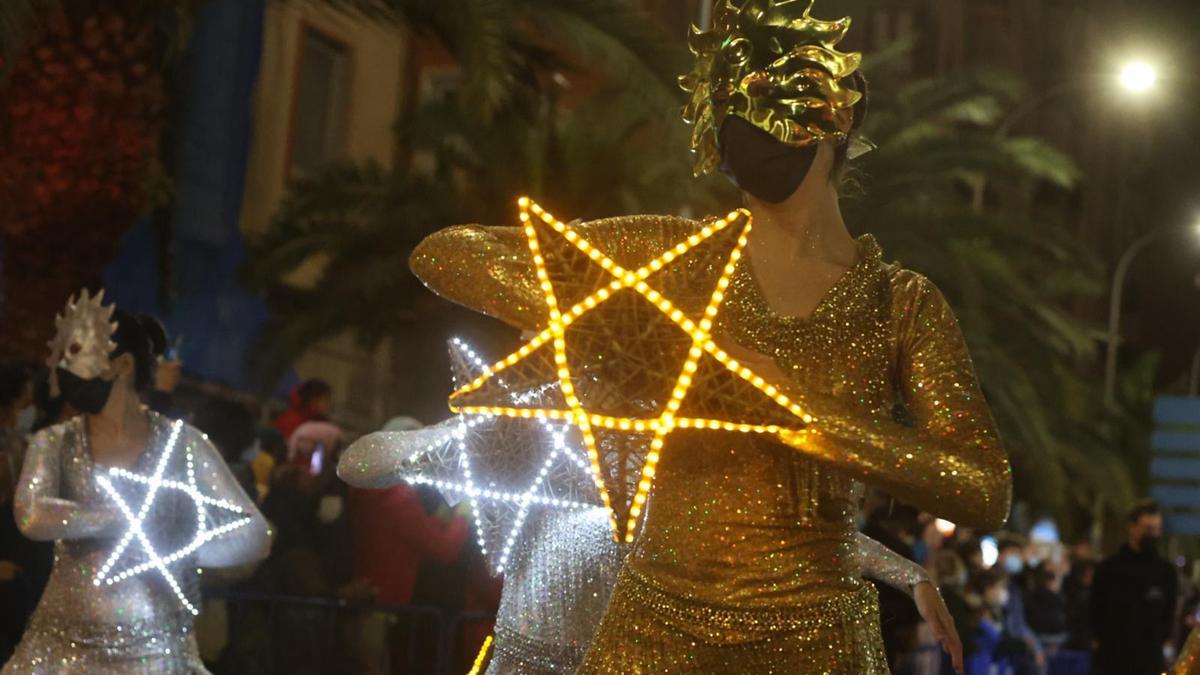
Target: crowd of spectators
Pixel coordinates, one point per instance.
(1033, 605)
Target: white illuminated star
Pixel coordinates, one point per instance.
(506, 469)
(206, 530)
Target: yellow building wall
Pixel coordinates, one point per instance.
(377, 55)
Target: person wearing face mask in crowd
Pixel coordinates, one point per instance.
(313, 555)
(101, 359)
(24, 564)
(1027, 655)
(1133, 600)
(953, 579)
(16, 421)
(310, 401)
(986, 595)
(1046, 606)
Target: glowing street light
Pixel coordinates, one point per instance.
(1139, 77)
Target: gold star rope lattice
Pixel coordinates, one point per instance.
(630, 345)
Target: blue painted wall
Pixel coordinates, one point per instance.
(217, 319)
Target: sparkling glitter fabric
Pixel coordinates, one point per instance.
(1189, 658)
(882, 564)
(135, 625)
(629, 344)
(746, 561)
(556, 553)
(562, 564)
(513, 471)
(556, 593)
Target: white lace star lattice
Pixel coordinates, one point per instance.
(505, 467)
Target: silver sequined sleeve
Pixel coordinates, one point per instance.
(885, 565)
(244, 545)
(378, 460)
(41, 512)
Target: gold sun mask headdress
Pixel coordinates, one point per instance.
(770, 63)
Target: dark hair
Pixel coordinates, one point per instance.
(272, 443)
(1145, 507)
(14, 377)
(985, 579)
(143, 337)
(1009, 542)
(49, 407)
(229, 425)
(840, 156)
(312, 389)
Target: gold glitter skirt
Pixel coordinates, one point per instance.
(650, 631)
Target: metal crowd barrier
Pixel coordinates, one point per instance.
(269, 634)
(1058, 662)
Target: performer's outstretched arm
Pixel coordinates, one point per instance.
(41, 513)
(950, 462)
(377, 460)
(488, 269)
(885, 565)
(247, 544)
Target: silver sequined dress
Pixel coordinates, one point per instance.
(138, 624)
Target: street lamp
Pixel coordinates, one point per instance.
(1139, 77)
(1134, 77)
(1114, 305)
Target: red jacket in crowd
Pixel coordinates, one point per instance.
(392, 537)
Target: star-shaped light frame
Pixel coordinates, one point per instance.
(451, 454)
(699, 332)
(154, 483)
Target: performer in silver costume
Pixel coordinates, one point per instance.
(129, 539)
(564, 565)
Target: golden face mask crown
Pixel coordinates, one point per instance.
(772, 64)
(83, 335)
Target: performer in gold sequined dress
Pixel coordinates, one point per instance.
(745, 558)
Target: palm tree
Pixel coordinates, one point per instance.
(1008, 267)
(360, 222)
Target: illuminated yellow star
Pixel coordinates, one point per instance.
(631, 351)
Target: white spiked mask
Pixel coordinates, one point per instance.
(83, 339)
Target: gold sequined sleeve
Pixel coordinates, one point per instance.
(41, 512)
(882, 564)
(487, 269)
(1188, 662)
(950, 462)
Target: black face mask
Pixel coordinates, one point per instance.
(86, 396)
(1149, 544)
(759, 164)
